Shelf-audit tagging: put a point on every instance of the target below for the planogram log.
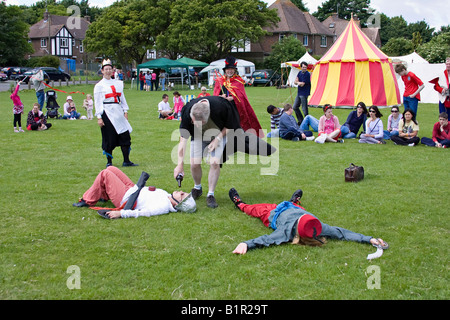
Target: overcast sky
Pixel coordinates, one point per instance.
(434, 12)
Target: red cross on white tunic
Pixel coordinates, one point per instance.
(114, 94)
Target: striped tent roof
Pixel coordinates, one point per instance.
(354, 70)
(353, 45)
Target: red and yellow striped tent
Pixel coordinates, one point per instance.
(354, 70)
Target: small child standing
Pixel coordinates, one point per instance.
(17, 109)
(178, 103)
(88, 104)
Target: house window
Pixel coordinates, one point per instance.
(73, 42)
(64, 43)
(323, 41)
(281, 37)
(81, 47)
(305, 40)
(43, 42)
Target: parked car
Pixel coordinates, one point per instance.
(55, 74)
(3, 77)
(17, 71)
(25, 77)
(265, 77)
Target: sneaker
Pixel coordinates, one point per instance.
(196, 193)
(295, 139)
(21, 130)
(129, 164)
(235, 198)
(296, 196)
(15, 130)
(340, 141)
(310, 138)
(80, 203)
(411, 145)
(211, 202)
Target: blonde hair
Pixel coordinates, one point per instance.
(304, 241)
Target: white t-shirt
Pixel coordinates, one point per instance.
(163, 106)
(149, 203)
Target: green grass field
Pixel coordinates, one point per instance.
(189, 256)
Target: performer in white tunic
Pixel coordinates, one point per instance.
(111, 110)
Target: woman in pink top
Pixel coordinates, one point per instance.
(17, 109)
(329, 127)
(178, 104)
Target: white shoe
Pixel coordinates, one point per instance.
(411, 145)
(15, 130)
(310, 138)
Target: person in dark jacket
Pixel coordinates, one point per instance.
(303, 81)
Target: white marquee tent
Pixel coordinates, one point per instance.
(425, 71)
(295, 67)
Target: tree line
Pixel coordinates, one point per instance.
(203, 29)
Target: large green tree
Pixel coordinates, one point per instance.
(127, 29)
(345, 8)
(13, 36)
(288, 49)
(209, 29)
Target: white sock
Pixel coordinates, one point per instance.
(198, 186)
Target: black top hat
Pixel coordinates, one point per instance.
(230, 62)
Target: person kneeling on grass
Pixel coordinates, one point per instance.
(132, 200)
(292, 223)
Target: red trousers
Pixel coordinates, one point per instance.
(110, 184)
(260, 210)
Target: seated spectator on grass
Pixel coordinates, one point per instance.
(164, 109)
(374, 128)
(275, 114)
(329, 127)
(392, 124)
(408, 130)
(112, 184)
(203, 93)
(310, 121)
(70, 111)
(292, 223)
(289, 129)
(36, 119)
(350, 129)
(441, 133)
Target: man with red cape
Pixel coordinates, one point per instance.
(231, 86)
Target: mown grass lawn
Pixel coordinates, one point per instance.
(189, 256)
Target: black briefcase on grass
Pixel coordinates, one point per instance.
(354, 173)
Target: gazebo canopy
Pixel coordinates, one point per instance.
(192, 62)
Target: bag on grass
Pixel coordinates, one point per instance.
(354, 173)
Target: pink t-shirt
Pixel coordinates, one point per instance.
(328, 125)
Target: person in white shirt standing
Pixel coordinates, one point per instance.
(111, 110)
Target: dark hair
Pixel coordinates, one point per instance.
(287, 107)
(165, 95)
(270, 108)
(377, 112)
(363, 106)
(413, 119)
(399, 68)
(303, 63)
(396, 107)
(443, 115)
(176, 93)
(326, 107)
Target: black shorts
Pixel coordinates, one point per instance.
(110, 137)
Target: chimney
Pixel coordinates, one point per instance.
(46, 14)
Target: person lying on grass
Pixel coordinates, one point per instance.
(292, 223)
(130, 199)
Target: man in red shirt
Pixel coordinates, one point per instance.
(444, 97)
(413, 86)
(441, 133)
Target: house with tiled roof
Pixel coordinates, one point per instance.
(337, 25)
(60, 36)
(316, 38)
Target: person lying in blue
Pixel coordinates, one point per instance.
(292, 223)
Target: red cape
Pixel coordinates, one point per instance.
(236, 88)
